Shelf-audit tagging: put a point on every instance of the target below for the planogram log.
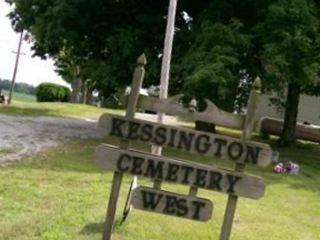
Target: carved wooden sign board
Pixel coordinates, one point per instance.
(123, 160)
(150, 199)
(209, 144)
(178, 171)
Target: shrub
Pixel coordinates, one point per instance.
(50, 92)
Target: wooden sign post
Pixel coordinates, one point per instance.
(248, 127)
(165, 69)
(122, 160)
(138, 76)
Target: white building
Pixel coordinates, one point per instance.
(309, 109)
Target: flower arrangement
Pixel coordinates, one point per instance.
(289, 167)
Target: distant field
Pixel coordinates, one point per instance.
(24, 108)
(26, 105)
(22, 97)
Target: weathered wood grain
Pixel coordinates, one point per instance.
(211, 114)
(178, 171)
(137, 80)
(173, 204)
(214, 145)
(303, 131)
(252, 108)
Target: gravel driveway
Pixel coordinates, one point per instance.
(25, 136)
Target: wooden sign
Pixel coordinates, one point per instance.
(177, 171)
(234, 183)
(218, 146)
(150, 199)
(172, 106)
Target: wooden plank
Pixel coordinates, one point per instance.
(303, 131)
(214, 145)
(112, 206)
(138, 76)
(178, 171)
(173, 204)
(252, 108)
(211, 114)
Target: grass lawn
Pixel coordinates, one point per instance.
(21, 108)
(22, 97)
(61, 195)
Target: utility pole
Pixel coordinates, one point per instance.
(164, 84)
(15, 68)
(165, 70)
(166, 60)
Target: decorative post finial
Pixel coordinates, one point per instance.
(257, 84)
(142, 60)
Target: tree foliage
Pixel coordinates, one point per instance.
(102, 37)
(18, 87)
(211, 67)
(290, 42)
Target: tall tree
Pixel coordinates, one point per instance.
(290, 38)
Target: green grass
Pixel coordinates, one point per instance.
(20, 108)
(22, 97)
(62, 195)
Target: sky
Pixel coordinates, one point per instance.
(31, 70)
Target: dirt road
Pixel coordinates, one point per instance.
(25, 136)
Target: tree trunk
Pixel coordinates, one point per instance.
(291, 113)
(76, 86)
(88, 97)
(76, 89)
(83, 93)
